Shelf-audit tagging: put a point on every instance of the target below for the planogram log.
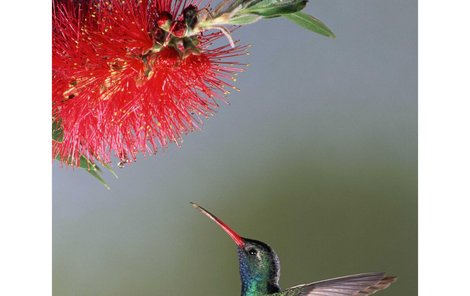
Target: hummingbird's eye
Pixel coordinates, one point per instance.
(252, 252)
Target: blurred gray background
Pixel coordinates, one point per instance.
(317, 156)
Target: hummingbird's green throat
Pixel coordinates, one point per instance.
(260, 270)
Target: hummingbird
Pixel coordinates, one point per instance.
(260, 271)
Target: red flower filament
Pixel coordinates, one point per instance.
(128, 79)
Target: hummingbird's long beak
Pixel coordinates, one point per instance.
(236, 238)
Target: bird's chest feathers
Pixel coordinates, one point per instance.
(253, 283)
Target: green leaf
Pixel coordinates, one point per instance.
(57, 131)
(93, 169)
(97, 175)
(108, 167)
(237, 3)
(244, 19)
(87, 164)
(84, 163)
(273, 8)
(310, 23)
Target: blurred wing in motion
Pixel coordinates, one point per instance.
(352, 285)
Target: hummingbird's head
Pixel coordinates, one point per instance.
(259, 264)
(259, 267)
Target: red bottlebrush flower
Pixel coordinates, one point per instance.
(130, 76)
(126, 82)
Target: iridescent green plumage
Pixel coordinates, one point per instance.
(260, 271)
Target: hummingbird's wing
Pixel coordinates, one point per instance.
(352, 285)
